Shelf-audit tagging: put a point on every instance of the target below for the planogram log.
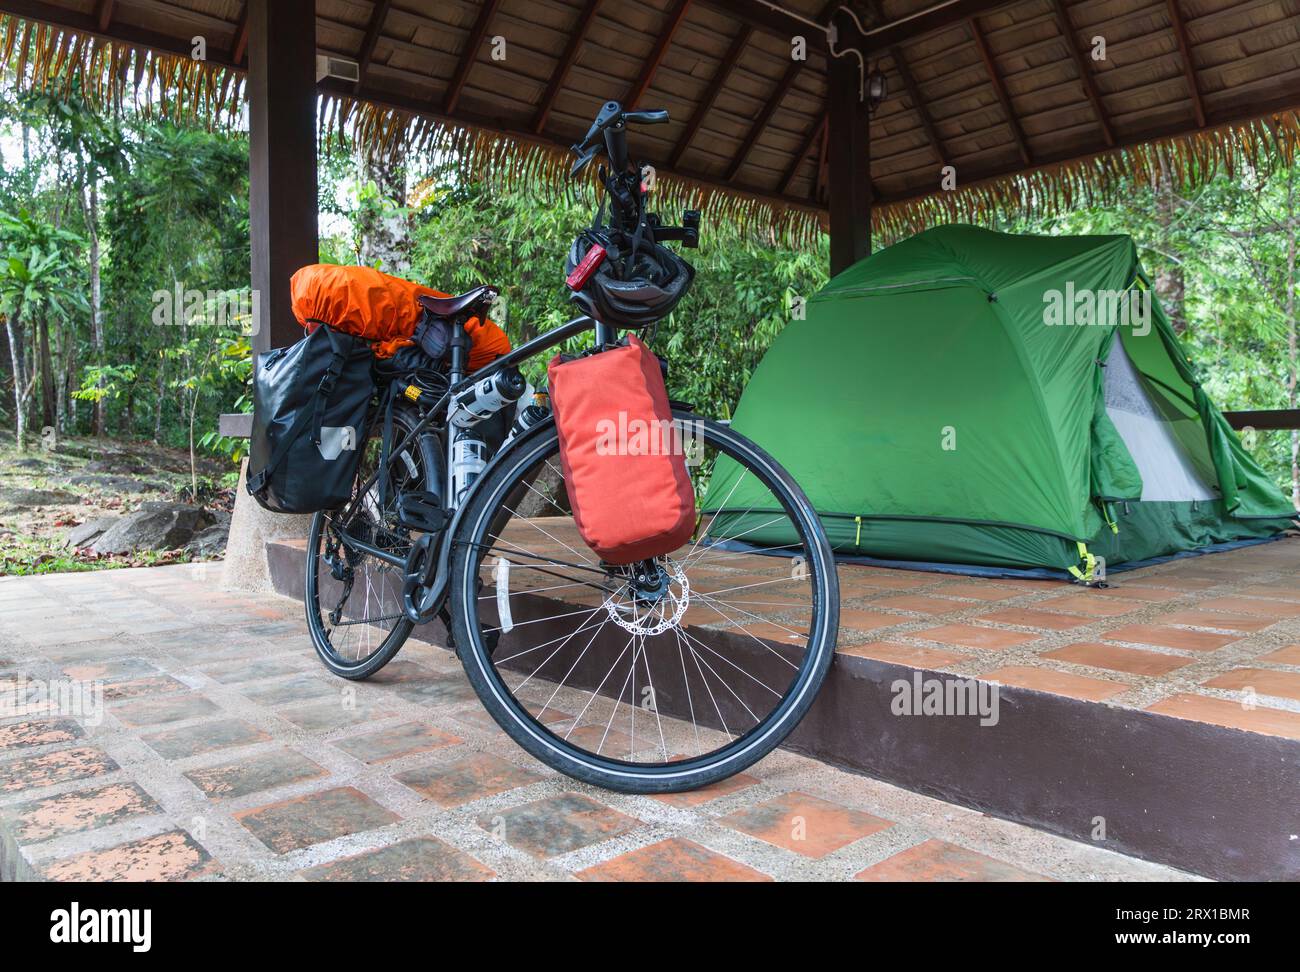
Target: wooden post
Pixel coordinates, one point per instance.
(281, 158)
(849, 166)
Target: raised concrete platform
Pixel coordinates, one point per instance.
(1162, 712)
(212, 746)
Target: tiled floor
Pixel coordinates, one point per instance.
(1219, 628)
(224, 751)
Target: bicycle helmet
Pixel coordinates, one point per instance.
(633, 292)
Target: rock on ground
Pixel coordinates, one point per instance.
(155, 526)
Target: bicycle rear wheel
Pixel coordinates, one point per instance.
(657, 677)
(353, 600)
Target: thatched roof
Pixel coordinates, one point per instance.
(1010, 94)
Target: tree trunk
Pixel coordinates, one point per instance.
(1170, 283)
(49, 400)
(90, 205)
(385, 235)
(158, 403)
(14, 331)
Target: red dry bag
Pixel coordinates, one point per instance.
(623, 460)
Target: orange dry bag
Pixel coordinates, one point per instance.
(379, 308)
(623, 459)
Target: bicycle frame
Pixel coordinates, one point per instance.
(427, 567)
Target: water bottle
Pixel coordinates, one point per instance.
(468, 460)
(487, 397)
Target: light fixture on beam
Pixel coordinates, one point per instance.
(877, 89)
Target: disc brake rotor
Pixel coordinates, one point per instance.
(632, 611)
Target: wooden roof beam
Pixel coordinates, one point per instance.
(561, 74)
(65, 18)
(918, 102)
(642, 84)
(773, 102)
(239, 49)
(814, 134)
(1000, 90)
(716, 84)
(770, 19)
(104, 14)
(1189, 72)
(469, 55)
(1085, 74)
(367, 53)
(760, 123)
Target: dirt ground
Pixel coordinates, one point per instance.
(51, 488)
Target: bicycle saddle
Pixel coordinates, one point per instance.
(454, 307)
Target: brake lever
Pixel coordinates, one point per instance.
(584, 158)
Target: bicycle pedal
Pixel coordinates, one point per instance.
(421, 511)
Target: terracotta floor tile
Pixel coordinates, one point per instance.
(805, 824)
(32, 772)
(557, 825)
(1174, 582)
(76, 811)
(980, 591)
(1290, 655)
(1287, 592)
(465, 780)
(694, 798)
(1117, 659)
(140, 687)
(1154, 634)
(878, 579)
(1225, 712)
(172, 856)
(313, 818)
(904, 654)
(1089, 605)
(1264, 681)
(1151, 595)
(675, 859)
(386, 744)
(974, 636)
(937, 860)
(858, 619)
(417, 859)
(920, 604)
(154, 712)
(334, 714)
(40, 732)
(250, 774)
(1029, 618)
(1251, 605)
(1218, 621)
(205, 737)
(1057, 683)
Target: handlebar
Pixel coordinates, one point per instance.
(610, 127)
(626, 193)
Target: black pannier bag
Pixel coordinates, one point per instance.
(311, 402)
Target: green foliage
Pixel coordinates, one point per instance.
(38, 271)
(467, 235)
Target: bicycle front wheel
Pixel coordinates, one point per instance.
(657, 677)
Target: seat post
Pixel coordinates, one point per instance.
(459, 343)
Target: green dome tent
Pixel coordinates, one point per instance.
(977, 398)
